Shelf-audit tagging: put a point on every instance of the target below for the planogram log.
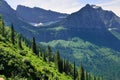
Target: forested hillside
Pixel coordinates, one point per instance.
(22, 59)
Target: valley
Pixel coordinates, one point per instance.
(90, 36)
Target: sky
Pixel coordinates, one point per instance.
(67, 6)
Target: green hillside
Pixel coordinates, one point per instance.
(23, 64)
(22, 59)
(96, 59)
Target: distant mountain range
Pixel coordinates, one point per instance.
(98, 30)
(38, 15)
(27, 24)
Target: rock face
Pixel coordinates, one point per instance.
(90, 23)
(38, 15)
(21, 24)
(10, 17)
(5, 8)
(92, 16)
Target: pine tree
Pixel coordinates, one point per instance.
(74, 72)
(81, 73)
(101, 78)
(43, 56)
(88, 76)
(85, 73)
(63, 65)
(3, 28)
(34, 46)
(67, 67)
(57, 60)
(12, 35)
(19, 42)
(49, 53)
(93, 77)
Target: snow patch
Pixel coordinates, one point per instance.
(95, 7)
(110, 29)
(42, 24)
(37, 24)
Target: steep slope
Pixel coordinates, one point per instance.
(92, 16)
(23, 64)
(97, 59)
(95, 39)
(86, 37)
(10, 17)
(90, 24)
(89, 20)
(38, 15)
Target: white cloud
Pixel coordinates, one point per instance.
(67, 6)
(112, 5)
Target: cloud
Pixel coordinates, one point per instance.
(112, 5)
(67, 6)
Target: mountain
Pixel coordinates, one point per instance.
(92, 16)
(18, 61)
(91, 23)
(25, 27)
(90, 35)
(10, 17)
(39, 15)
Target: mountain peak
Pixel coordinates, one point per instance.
(92, 16)
(5, 7)
(88, 6)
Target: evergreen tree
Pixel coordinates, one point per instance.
(19, 42)
(81, 73)
(57, 60)
(12, 35)
(63, 65)
(97, 78)
(43, 56)
(85, 73)
(66, 67)
(101, 78)
(74, 71)
(34, 46)
(88, 75)
(93, 77)
(3, 28)
(49, 53)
